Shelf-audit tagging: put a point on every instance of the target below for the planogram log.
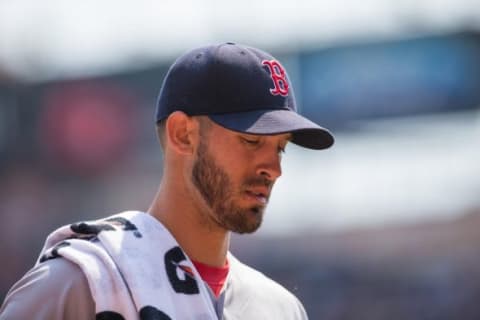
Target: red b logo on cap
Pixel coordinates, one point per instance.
(278, 76)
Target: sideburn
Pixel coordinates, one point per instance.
(208, 178)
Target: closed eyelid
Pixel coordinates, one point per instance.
(250, 139)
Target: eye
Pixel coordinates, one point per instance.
(281, 149)
(249, 141)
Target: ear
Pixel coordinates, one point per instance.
(180, 130)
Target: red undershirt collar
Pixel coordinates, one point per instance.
(215, 277)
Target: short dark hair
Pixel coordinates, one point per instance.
(161, 132)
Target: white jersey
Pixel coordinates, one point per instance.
(58, 289)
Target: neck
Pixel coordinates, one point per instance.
(201, 239)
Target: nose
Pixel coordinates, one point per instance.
(270, 167)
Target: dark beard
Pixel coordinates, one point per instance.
(216, 189)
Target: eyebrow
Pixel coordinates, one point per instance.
(289, 136)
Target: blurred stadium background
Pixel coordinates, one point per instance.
(383, 226)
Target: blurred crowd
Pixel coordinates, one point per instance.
(79, 149)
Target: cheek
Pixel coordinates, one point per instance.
(234, 159)
(230, 156)
(235, 169)
(238, 166)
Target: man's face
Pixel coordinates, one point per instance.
(234, 173)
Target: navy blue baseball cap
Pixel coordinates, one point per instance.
(240, 88)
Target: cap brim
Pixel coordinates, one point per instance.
(305, 133)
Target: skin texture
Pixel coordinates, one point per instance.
(221, 194)
(215, 181)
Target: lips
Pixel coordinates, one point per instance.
(259, 195)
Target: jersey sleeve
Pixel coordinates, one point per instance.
(56, 289)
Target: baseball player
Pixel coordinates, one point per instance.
(224, 116)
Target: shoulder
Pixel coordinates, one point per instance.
(62, 282)
(249, 290)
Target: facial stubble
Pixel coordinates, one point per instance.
(218, 192)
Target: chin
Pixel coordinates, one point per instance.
(250, 223)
